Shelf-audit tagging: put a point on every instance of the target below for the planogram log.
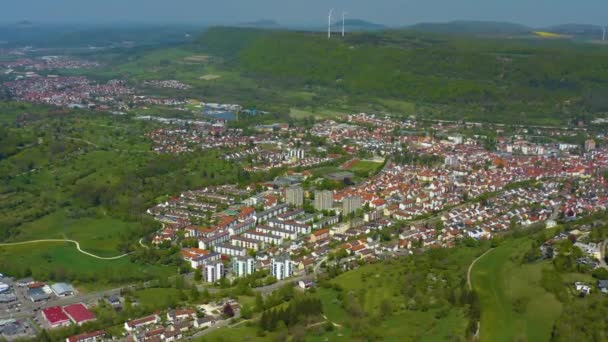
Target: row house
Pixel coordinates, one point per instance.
(241, 241)
(231, 250)
(326, 222)
(242, 227)
(290, 215)
(266, 238)
(291, 225)
(272, 212)
(285, 234)
(214, 240)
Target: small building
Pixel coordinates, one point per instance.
(62, 289)
(306, 284)
(37, 294)
(114, 301)
(79, 313)
(140, 322)
(583, 289)
(92, 336)
(319, 235)
(55, 317)
(180, 314)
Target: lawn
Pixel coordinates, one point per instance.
(365, 166)
(240, 333)
(513, 304)
(159, 298)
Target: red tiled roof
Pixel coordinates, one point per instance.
(86, 336)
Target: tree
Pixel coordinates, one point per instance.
(246, 311)
(259, 302)
(198, 274)
(194, 294)
(228, 311)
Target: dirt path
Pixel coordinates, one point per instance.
(469, 284)
(65, 240)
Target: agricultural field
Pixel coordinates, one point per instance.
(514, 306)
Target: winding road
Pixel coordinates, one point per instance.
(65, 240)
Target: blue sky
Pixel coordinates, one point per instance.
(391, 12)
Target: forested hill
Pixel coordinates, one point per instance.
(523, 77)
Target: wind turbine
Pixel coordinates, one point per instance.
(331, 12)
(343, 15)
(603, 33)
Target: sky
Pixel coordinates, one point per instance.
(306, 12)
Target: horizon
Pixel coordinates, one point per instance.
(282, 25)
(392, 13)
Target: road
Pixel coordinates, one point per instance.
(65, 240)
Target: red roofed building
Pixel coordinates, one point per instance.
(55, 317)
(79, 313)
(93, 336)
(130, 325)
(319, 235)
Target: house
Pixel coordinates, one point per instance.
(180, 314)
(114, 301)
(582, 288)
(319, 235)
(204, 322)
(306, 284)
(140, 322)
(602, 285)
(92, 336)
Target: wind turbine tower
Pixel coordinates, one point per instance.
(331, 12)
(343, 15)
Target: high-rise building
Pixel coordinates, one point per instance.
(239, 268)
(294, 196)
(451, 160)
(210, 274)
(282, 267)
(243, 267)
(214, 272)
(324, 200)
(250, 266)
(350, 204)
(297, 153)
(219, 271)
(589, 145)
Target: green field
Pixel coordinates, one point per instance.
(365, 167)
(62, 261)
(159, 298)
(99, 235)
(514, 306)
(240, 333)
